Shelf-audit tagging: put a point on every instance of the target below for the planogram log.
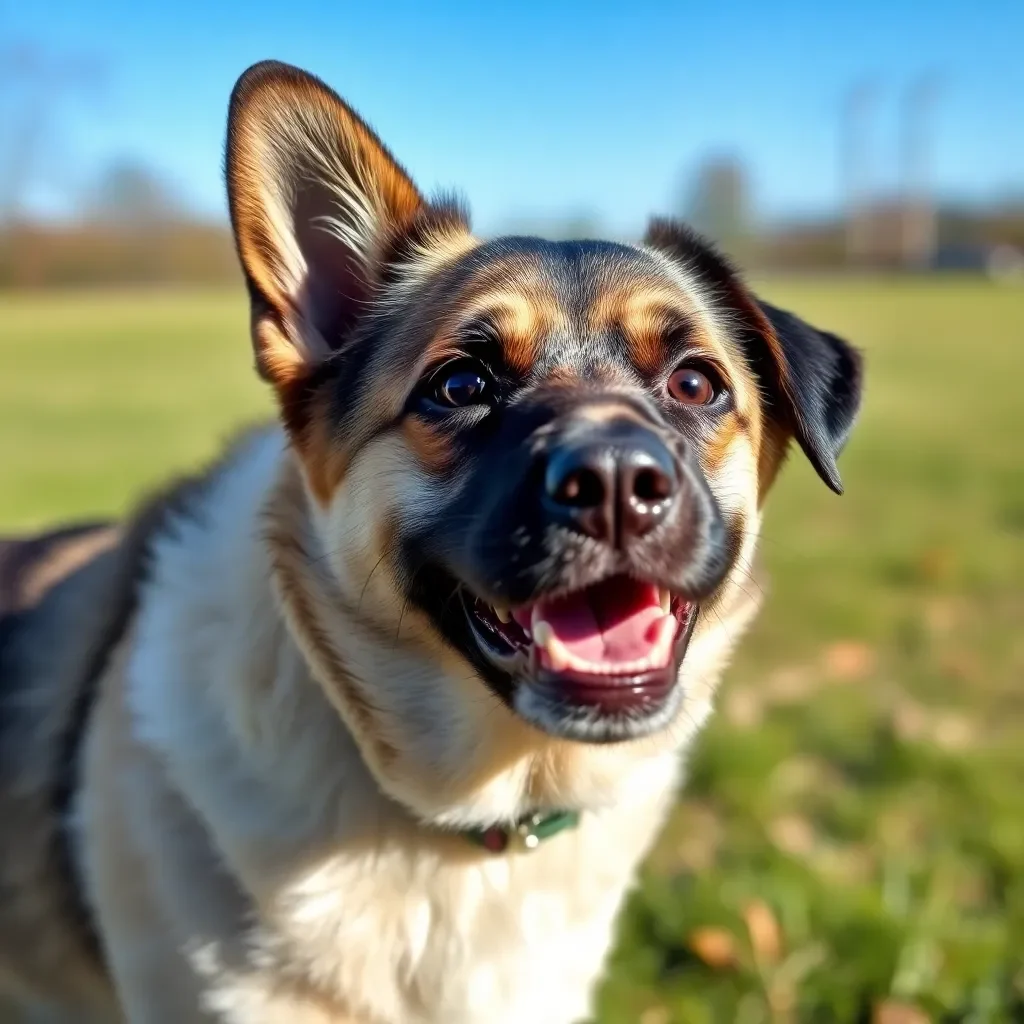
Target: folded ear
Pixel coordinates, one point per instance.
(821, 377)
(315, 201)
(814, 378)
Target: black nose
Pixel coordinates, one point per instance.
(615, 485)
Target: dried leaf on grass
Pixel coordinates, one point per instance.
(717, 947)
(892, 1012)
(764, 931)
(850, 660)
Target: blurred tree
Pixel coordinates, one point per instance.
(129, 194)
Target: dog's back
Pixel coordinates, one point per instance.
(65, 597)
(32, 566)
(50, 615)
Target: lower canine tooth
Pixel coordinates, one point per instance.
(557, 656)
(544, 637)
(543, 634)
(666, 600)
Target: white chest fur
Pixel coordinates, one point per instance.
(439, 931)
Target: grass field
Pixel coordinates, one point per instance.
(850, 846)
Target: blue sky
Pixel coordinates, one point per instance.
(546, 109)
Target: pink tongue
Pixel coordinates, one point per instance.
(609, 622)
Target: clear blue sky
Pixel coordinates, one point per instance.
(535, 108)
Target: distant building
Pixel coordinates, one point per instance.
(1000, 262)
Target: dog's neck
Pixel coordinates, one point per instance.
(216, 677)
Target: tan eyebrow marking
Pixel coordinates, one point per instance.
(645, 313)
(521, 317)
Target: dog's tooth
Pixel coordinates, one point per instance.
(662, 649)
(502, 612)
(558, 656)
(666, 600)
(536, 622)
(543, 634)
(544, 637)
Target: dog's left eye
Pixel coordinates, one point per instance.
(460, 385)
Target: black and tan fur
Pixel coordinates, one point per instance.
(241, 734)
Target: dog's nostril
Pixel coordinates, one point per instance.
(649, 482)
(652, 485)
(580, 488)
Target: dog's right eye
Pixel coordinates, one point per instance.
(458, 385)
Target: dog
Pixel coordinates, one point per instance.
(374, 720)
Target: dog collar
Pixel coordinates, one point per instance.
(528, 832)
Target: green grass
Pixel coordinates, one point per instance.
(101, 394)
(851, 839)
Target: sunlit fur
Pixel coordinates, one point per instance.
(279, 746)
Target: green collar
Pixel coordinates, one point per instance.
(528, 831)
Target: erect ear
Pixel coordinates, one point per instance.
(813, 377)
(316, 202)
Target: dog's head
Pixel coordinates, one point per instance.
(529, 473)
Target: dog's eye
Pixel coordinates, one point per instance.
(455, 387)
(463, 388)
(692, 386)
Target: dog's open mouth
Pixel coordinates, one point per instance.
(619, 627)
(610, 649)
